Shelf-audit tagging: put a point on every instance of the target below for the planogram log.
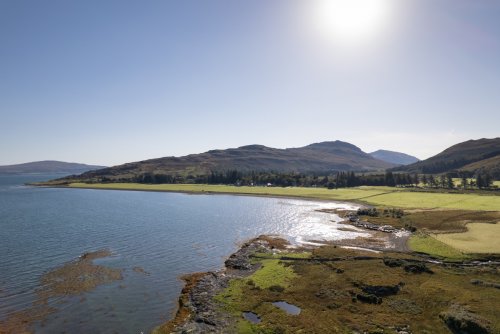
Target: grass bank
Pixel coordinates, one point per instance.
(424, 243)
(377, 196)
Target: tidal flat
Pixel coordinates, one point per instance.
(71, 279)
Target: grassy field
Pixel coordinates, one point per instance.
(316, 193)
(330, 295)
(430, 245)
(377, 196)
(479, 238)
(450, 234)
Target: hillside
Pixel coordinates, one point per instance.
(47, 166)
(318, 157)
(472, 156)
(490, 166)
(396, 158)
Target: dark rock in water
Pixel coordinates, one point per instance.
(241, 259)
(417, 268)
(237, 262)
(461, 321)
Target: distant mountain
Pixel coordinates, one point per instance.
(319, 157)
(397, 158)
(47, 166)
(472, 156)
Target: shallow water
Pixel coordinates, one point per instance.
(288, 308)
(252, 317)
(164, 234)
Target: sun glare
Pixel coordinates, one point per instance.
(350, 20)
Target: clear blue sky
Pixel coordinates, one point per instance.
(113, 81)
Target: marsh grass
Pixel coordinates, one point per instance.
(325, 296)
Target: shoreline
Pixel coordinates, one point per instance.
(199, 304)
(372, 196)
(197, 310)
(202, 192)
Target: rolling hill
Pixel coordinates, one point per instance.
(471, 156)
(396, 158)
(47, 166)
(318, 157)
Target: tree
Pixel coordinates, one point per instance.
(464, 181)
(424, 180)
(432, 181)
(442, 181)
(415, 180)
(488, 180)
(479, 181)
(449, 181)
(389, 179)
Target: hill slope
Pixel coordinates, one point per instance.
(472, 155)
(319, 157)
(397, 158)
(47, 166)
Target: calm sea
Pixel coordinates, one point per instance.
(166, 234)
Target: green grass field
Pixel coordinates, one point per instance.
(377, 196)
(430, 245)
(479, 238)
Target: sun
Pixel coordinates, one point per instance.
(350, 20)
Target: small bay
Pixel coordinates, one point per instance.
(153, 237)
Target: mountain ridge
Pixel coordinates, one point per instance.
(47, 166)
(394, 157)
(327, 156)
(472, 156)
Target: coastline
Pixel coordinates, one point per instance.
(210, 302)
(197, 311)
(365, 195)
(211, 192)
(201, 288)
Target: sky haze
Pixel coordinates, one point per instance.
(109, 82)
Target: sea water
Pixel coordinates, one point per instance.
(165, 234)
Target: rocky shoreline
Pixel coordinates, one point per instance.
(198, 312)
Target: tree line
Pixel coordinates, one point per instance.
(331, 181)
(335, 180)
